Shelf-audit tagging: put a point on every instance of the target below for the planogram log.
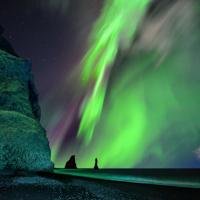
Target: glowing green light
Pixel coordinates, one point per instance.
(112, 27)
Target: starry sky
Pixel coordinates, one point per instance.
(131, 105)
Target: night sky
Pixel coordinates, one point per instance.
(122, 106)
(53, 35)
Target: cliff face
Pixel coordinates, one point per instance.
(17, 88)
(23, 143)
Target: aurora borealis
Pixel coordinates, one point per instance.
(118, 79)
(111, 27)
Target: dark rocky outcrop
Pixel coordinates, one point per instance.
(23, 143)
(96, 167)
(4, 44)
(71, 163)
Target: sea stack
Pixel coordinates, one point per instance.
(71, 163)
(96, 167)
(23, 144)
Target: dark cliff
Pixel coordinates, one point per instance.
(23, 143)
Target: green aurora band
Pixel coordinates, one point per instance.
(141, 110)
(112, 27)
(150, 116)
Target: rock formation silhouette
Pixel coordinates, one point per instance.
(71, 163)
(96, 167)
(23, 144)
